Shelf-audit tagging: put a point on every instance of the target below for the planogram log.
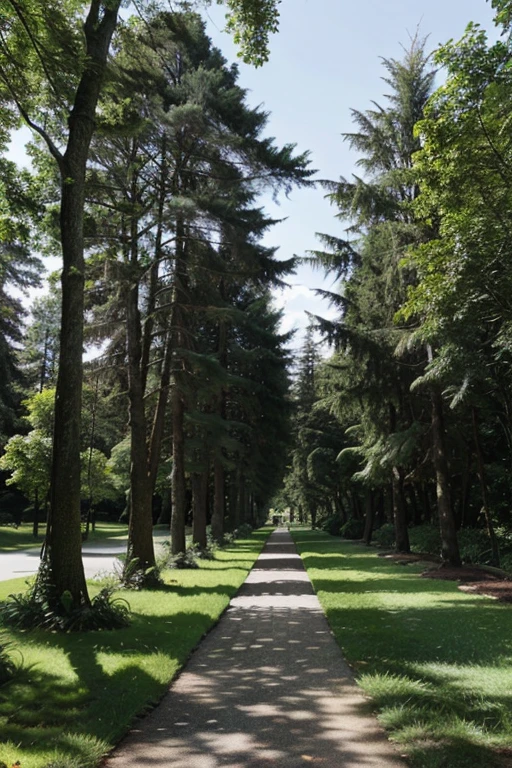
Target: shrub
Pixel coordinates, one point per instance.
(425, 538)
(183, 560)
(131, 576)
(6, 518)
(243, 531)
(332, 525)
(352, 529)
(41, 607)
(475, 546)
(385, 536)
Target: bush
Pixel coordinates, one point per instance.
(243, 531)
(184, 560)
(6, 518)
(332, 525)
(131, 576)
(352, 529)
(425, 538)
(42, 608)
(385, 536)
(475, 546)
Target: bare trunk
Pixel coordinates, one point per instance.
(64, 530)
(140, 532)
(400, 514)
(219, 500)
(199, 501)
(368, 521)
(483, 489)
(449, 544)
(178, 474)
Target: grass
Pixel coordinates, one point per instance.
(437, 662)
(15, 539)
(77, 694)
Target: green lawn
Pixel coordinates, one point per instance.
(76, 694)
(437, 662)
(12, 539)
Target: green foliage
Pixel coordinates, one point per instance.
(186, 559)
(251, 23)
(243, 531)
(28, 458)
(40, 607)
(332, 525)
(425, 538)
(352, 529)
(131, 576)
(384, 536)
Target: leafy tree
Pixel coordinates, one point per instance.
(28, 458)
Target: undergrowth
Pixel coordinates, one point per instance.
(41, 607)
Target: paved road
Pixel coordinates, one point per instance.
(267, 687)
(97, 559)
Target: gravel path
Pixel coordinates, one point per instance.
(267, 687)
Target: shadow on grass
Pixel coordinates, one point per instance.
(437, 663)
(119, 675)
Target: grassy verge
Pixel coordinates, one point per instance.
(14, 539)
(437, 662)
(76, 695)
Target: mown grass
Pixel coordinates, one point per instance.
(76, 694)
(437, 662)
(15, 539)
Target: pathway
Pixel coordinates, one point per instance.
(267, 687)
(97, 558)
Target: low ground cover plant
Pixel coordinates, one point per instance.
(76, 694)
(436, 661)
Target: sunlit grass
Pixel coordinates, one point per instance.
(76, 695)
(436, 661)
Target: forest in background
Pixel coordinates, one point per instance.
(147, 167)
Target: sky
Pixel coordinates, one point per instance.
(326, 60)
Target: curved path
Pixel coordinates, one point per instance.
(267, 687)
(97, 558)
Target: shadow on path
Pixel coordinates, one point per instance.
(267, 687)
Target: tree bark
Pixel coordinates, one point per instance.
(449, 544)
(64, 539)
(219, 500)
(369, 517)
(399, 513)
(483, 490)
(199, 500)
(140, 531)
(178, 543)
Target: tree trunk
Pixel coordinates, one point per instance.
(483, 490)
(199, 499)
(399, 513)
(35, 527)
(368, 521)
(219, 500)
(140, 530)
(165, 511)
(449, 544)
(178, 543)
(233, 501)
(64, 535)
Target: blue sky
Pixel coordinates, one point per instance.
(325, 60)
